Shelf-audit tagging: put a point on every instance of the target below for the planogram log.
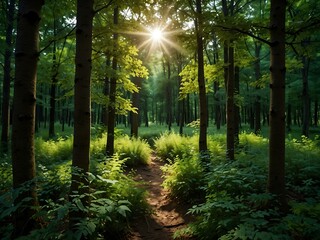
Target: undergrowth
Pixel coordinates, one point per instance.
(235, 204)
(114, 196)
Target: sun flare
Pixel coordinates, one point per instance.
(156, 35)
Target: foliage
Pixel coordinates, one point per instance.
(114, 197)
(184, 179)
(171, 145)
(51, 151)
(236, 205)
(135, 151)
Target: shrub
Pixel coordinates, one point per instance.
(184, 179)
(172, 145)
(48, 152)
(135, 151)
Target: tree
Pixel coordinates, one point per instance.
(82, 101)
(201, 81)
(24, 102)
(5, 119)
(113, 90)
(276, 177)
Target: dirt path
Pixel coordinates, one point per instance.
(167, 215)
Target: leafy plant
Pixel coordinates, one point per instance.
(135, 151)
(184, 178)
(172, 145)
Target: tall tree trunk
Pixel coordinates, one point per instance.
(169, 102)
(276, 176)
(230, 105)
(113, 91)
(236, 106)
(5, 120)
(82, 104)
(53, 87)
(305, 97)
(24, 102)
(201, 81)
(106, 92)
(257, 104)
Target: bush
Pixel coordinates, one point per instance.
(172, 145)
(134, 150)
(184, 179)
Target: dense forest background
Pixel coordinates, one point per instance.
(75, 72)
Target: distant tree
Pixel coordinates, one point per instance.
(23, 126)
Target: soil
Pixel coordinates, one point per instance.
(167, 215)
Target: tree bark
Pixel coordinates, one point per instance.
(257, 104)
(5, 119)
(113, 90)
(236, 107)
(53, 87)
(230, 105)
(24, 102)
(201, 82)
(305, 97)
(276, 176)
(82, 104)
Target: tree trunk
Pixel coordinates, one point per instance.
(276, 176)
(82, 104)
(257, 104)
(24, 102)
(230, 105)
(5, 120)
(201, 82)
(53, 87)
(169, 102)
(106, 92)
(305, 97)
(113, 90)
(236, 106)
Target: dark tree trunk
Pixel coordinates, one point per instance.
(24, 103)
(201, 81)
(217, 108)
(305, 97)
(106, 92)
(257, 104)
(82, 105)
(5, 119)
(53, 87)
(113, 90)
(236, 107)
(276, 177)
(169, 102)
(230, 105)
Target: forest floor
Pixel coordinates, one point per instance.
(167, 215)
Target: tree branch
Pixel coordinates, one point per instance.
(103, 7)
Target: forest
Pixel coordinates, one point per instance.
(157, 119)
